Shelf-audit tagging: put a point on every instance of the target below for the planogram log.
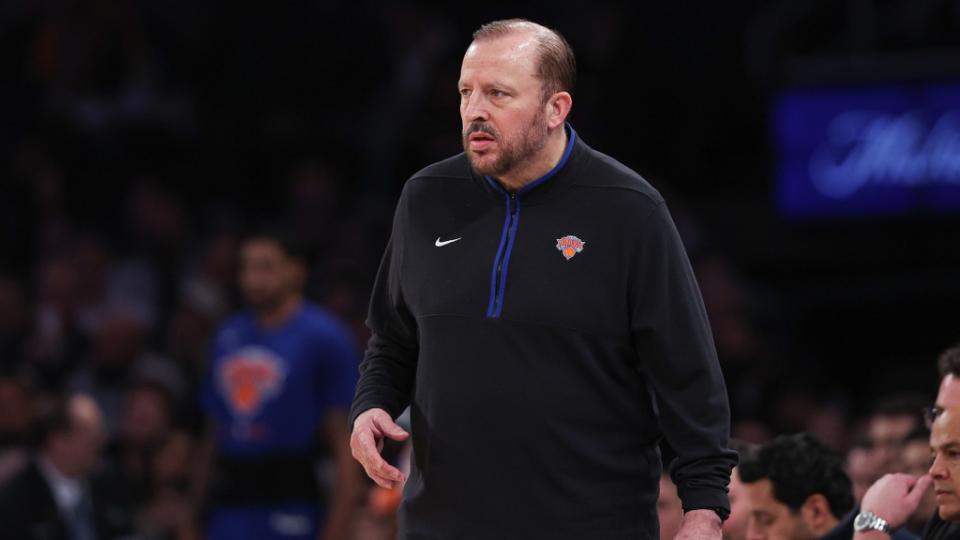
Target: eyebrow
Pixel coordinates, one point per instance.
(504, 86)
(495, 84)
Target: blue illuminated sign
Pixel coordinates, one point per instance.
(868, 151)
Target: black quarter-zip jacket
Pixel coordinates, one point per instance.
(544, 340)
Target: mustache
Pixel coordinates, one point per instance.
(480, 127)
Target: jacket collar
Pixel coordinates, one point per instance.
(540, 187)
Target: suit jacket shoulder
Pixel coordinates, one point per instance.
(27, 508)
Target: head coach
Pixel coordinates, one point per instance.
(537, 312)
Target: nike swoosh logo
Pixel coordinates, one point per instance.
(445, 242)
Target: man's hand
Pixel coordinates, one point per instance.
(369, 430)
(700, 525)
(895, 497)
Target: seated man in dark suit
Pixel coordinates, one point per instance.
(796, 489)
(53, 497)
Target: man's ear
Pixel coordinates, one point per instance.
(558, 108)
(816, 511)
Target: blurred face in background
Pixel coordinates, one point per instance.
(118, 342)
(945, 470)
(769, 518)
(669, 508)
(501, 103)
(862, 469)
(15, 411)
(146, 417)
(915, 460)
(268, 276)
(735, 527)
(76, 450)
(886, 434)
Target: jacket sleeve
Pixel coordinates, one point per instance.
(676, 353)
(389, 363)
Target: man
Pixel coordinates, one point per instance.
(796, 489)
(281, 374)
(537, 312)
(895, 497)
(891, 501)
(892, 420)
(862, 467)
(56, 497)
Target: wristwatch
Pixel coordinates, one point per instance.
(870, 521)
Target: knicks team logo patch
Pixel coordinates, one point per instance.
(570, 246)
(249, 378)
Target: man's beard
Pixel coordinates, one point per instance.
(511, 154)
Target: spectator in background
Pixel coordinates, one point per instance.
(281, 373)
(14, 323)
(145, 425)
(56, 496)
(16, 414)
(895, 497)
(796, 489)
(58, 343)
(861, 467)
(892, 420)
(169, 512)
(669, 508)
(120, 360)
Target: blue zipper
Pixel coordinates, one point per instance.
(501, 263)
(499, 280)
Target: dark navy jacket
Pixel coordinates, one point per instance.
(540, 381)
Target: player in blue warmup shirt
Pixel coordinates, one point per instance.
(278, 386)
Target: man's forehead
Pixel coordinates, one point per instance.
(946, 428)
(949, 393)
(517, 49)
(761, 488)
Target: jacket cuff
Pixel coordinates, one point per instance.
(706, 499)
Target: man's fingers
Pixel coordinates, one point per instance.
(381, 481)
(386, 470)
(390, 428)
(373, 462)
(919, 488)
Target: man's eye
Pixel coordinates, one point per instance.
(498, 93)
(464, 92)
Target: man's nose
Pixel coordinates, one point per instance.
(753, 532)
(937, 470)
(475, 108)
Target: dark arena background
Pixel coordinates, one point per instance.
(809, 152)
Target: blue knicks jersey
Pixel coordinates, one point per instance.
(267, 389)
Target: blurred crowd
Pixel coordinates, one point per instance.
(901, 465)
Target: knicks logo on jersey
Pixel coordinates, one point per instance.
(250, 377)
(570, 246)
